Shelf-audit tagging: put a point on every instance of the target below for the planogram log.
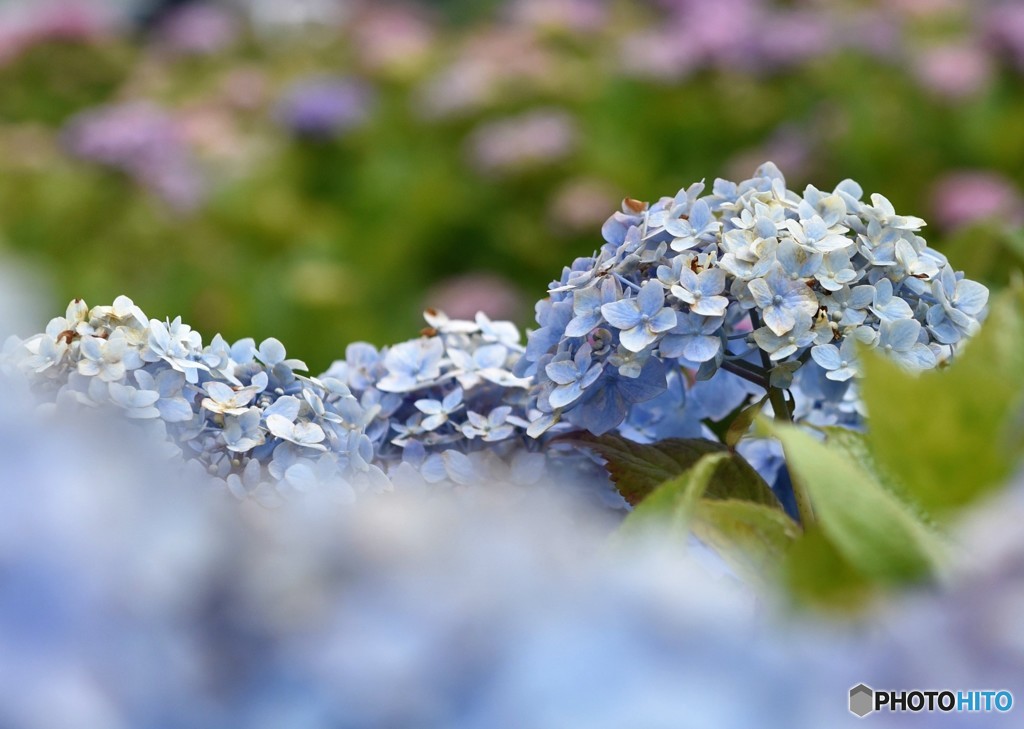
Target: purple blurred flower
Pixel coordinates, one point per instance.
(747, 34)
(143, 141)
(955, 71)
(461, 297)
(789, 38)
(324, 107)
(532, 139)
(199, 29)
(1004, 30)
(965, 197)
(721, 30)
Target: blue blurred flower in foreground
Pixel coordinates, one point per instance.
(324, 107)
(132, 598)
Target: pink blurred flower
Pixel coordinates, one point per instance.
(23, 25)
(534, 138)
(657, 55)
(461, 297)
(494, 64)
(954, 71)
(392, 38)
(583, 205)
(968, 196)
(214, 133)
(245, 87)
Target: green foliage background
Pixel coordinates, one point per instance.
(320, 244)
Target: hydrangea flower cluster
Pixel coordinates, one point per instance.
(694, 306)
(444, 407)
(754, 279)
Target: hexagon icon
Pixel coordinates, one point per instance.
(862, 700)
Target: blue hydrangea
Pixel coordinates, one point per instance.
(958, 304)
(438, 411)
(782, 300)
(693, 305)
(411, 364)
(640, 320)
(752, 267)
(702, 291)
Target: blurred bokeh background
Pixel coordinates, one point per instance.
(322, 170)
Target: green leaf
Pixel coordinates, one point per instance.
(946, 435)
(637, 469)
(856, 447)
(989, 251)
(742, 422)
(753, 538)
(721, 427)
(878, 534)
(673, 503)
(817, 574)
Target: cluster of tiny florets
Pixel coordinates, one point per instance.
(692, 308)
(443, 407)
(752, 278)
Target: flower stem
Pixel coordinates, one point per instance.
(784, 415)
(750, 374)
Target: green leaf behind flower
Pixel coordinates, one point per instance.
(752, 537)
(949, 436)
(875, 532)
(637, 469)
